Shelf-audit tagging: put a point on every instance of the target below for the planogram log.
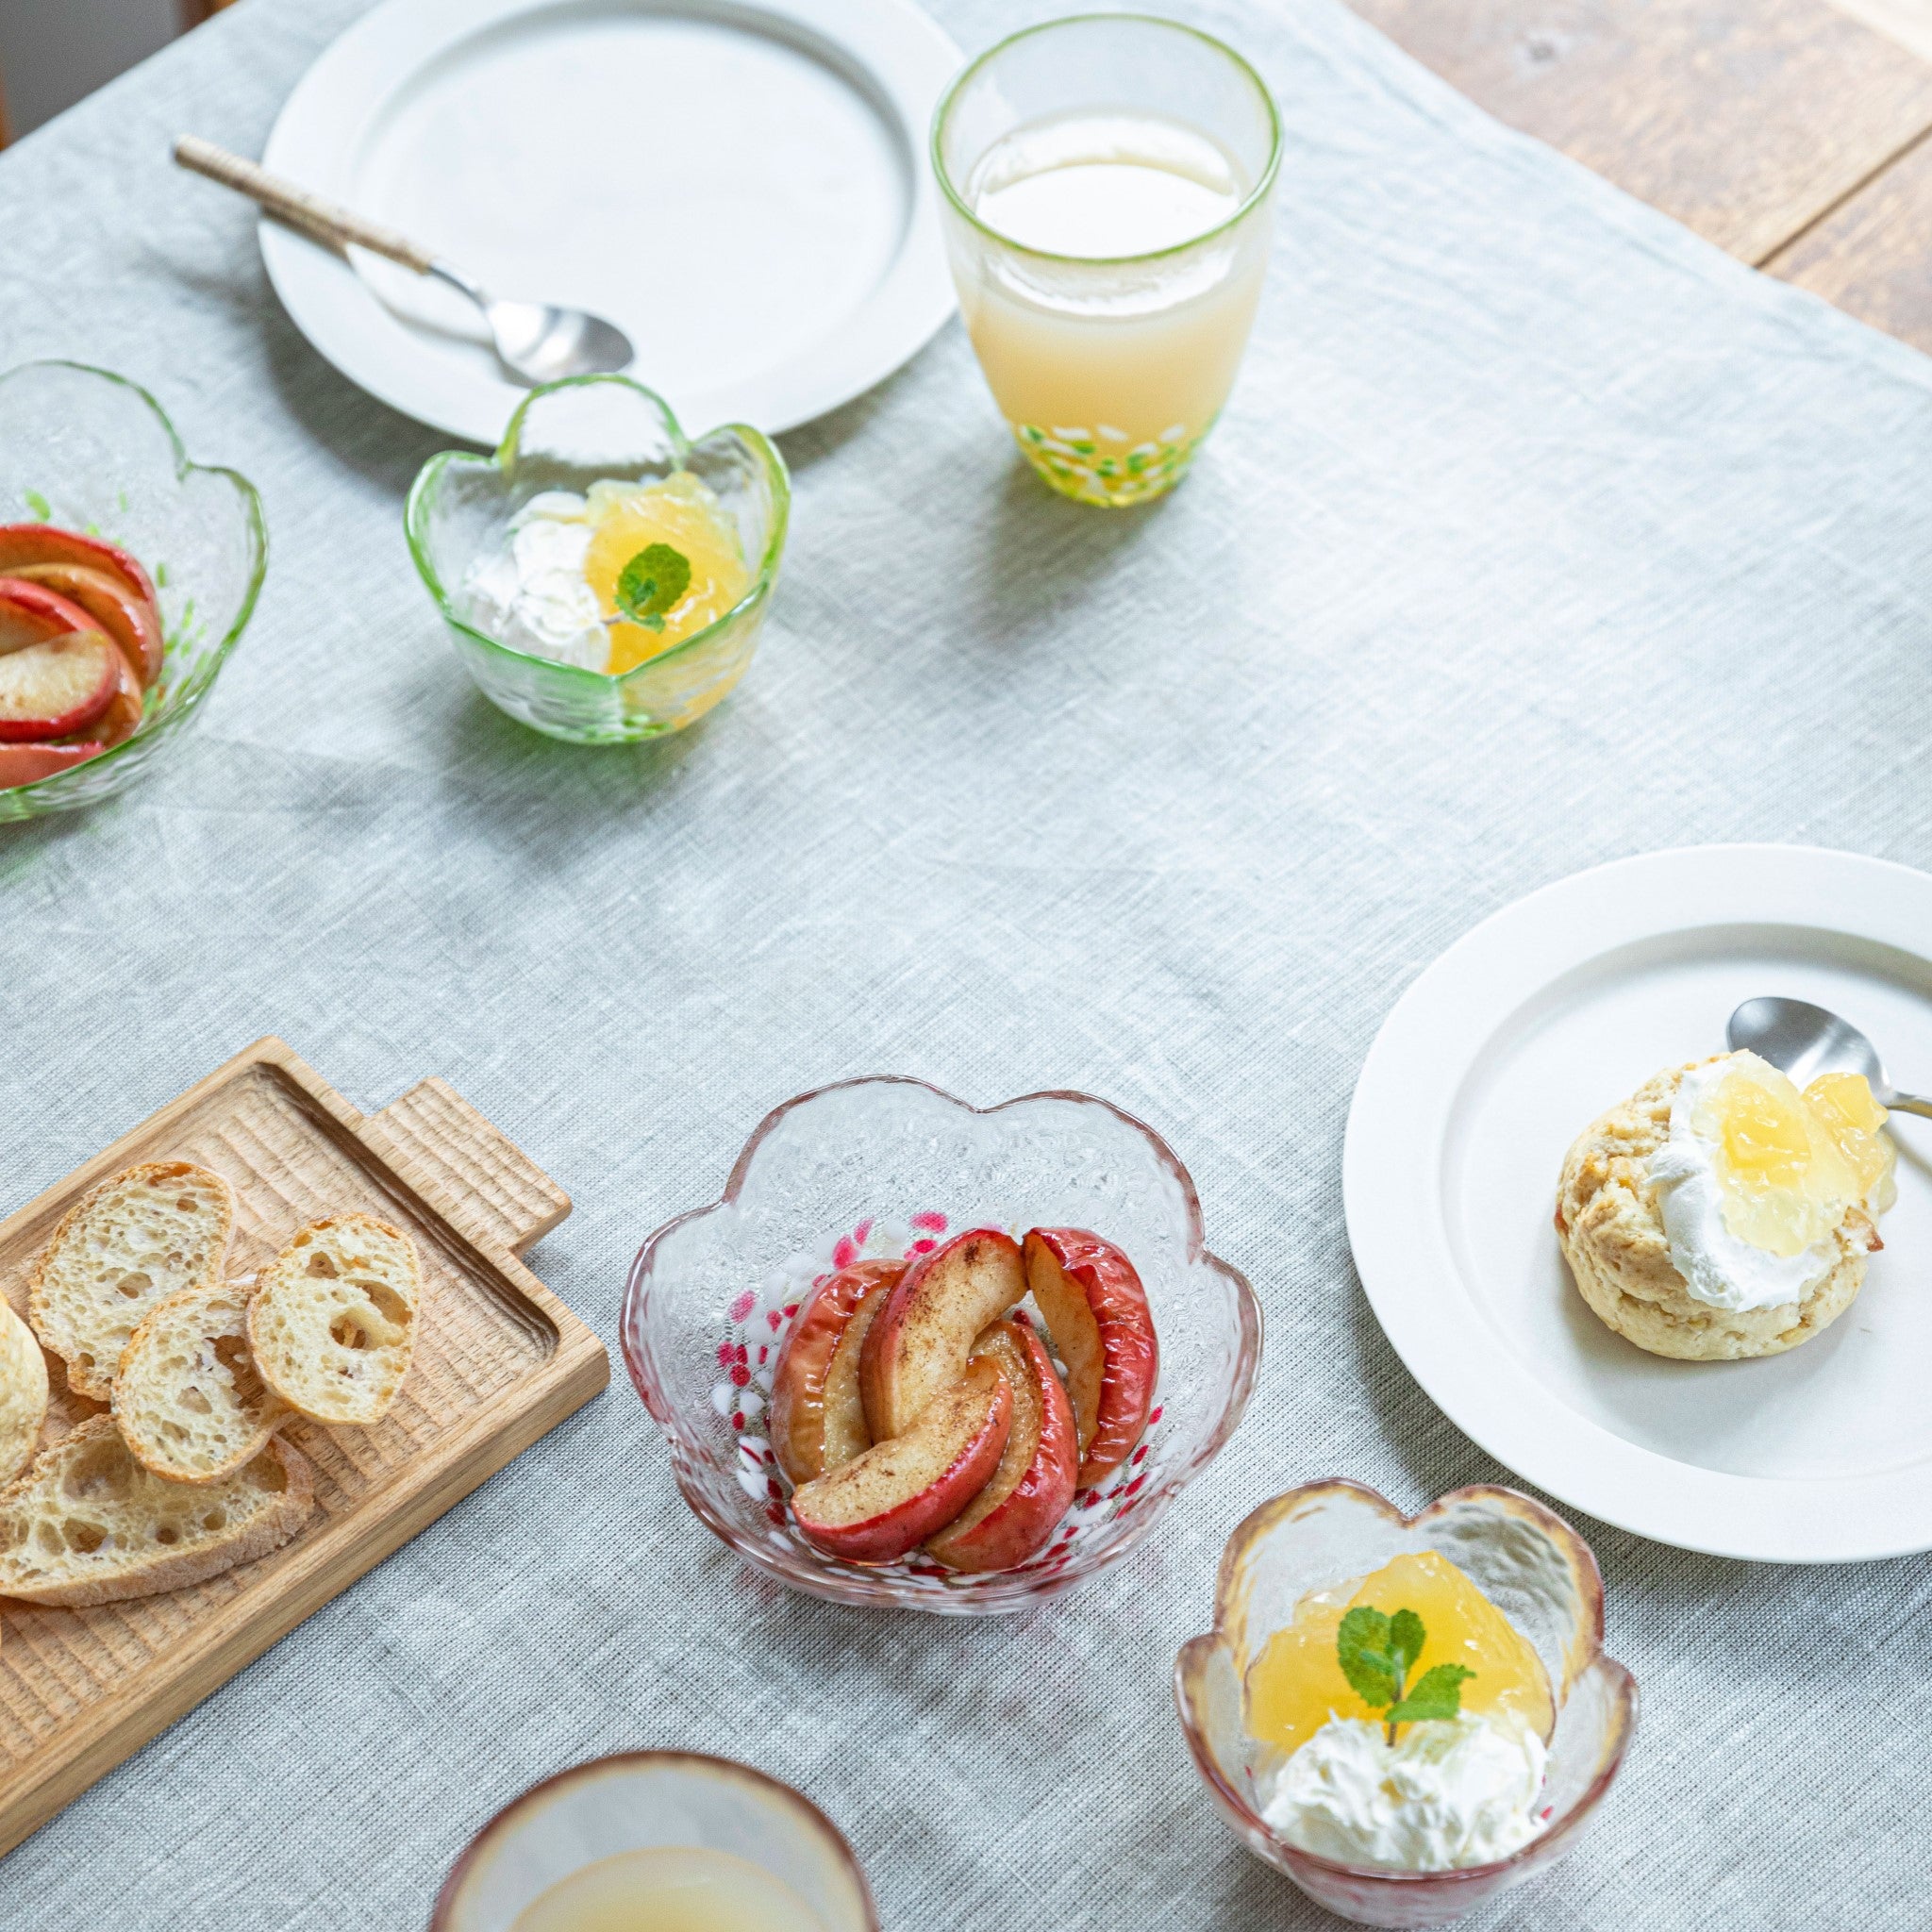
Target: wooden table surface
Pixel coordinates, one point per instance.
(1793, 133)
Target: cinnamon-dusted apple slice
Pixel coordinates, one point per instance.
(880, 1505)
(30, 613)
(1015, 1515)
(132, 621)
(28, 544)
(817, 1419)
(1096, 1311)
(58, 685)
(920, 1337)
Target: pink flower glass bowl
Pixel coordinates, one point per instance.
(883, 1167)
(1526, 1559)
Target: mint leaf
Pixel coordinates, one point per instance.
(39, 505)
(651, 584)
(1438, 1695)
(1406, 1638)
(1362, 1649)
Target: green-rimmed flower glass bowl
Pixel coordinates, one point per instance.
(92, 452)
(567, 437)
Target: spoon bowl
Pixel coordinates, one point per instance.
(1803, 1042)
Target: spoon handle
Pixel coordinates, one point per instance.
(1911, 1102)
(306, 210)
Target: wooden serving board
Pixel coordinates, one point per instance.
(499, 1360)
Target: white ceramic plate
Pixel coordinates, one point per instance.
(1493, 1062)
(742, 187)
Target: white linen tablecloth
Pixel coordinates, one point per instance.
(1538, 533)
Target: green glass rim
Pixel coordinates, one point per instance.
(1252, 200)
(197, 686)
(504, 459)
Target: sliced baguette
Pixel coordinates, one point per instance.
(123, 1246)
(23, 1393)
(189, 1399)
(333, 1322)
(87, 1524)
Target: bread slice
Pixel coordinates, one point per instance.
(189, 1398)
(23, 1393)
(87, 1524)
(333, 1322)
(124, 1245)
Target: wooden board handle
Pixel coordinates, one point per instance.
(478, 1178)
(306, 210)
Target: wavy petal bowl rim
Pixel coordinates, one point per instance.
(854, 1584)
(1193, 1655)
(52, 789)
(504, 458)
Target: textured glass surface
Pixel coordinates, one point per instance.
(1527, 1559)
(567, 437)
(866, 1166)
(89, 451)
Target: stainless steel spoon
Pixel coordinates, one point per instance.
(1806, 1040)
(535, 342)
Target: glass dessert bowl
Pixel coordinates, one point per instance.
(732, 1844)
(86, 452)
(875, 1169)
(689, 641)
(1535, 1582)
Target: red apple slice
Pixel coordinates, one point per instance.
(57, 687)
(32, 543)
(30, 613)
(1015, 1515)
(815, 1425)
(25, 764)
(126, 709)
(1102, 1328)
(880, 1505)
(920, 1338)
(132, 621)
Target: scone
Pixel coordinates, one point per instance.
(1643, 1220)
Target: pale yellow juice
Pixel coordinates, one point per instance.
(669, 1888)
(1111, 368)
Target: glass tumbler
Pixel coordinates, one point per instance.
(1107, 191)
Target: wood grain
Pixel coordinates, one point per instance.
(499, 1361)
(1747, 122)
(1873, 255)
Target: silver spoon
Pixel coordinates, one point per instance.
(1806, 1040)
(535, 342)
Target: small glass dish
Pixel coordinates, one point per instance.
(566, 436)
(884, 1167)
(640, 1799)
(1524, 1558)
(89, 451)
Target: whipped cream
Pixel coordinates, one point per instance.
(1721, 1268)
(531, 594)
(1463, 1791)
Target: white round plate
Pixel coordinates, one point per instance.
(739, 185)
(1500, 1055)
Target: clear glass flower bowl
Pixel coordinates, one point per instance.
(89, 451)
(883, 1167)
(566, 436)
(1524, 1558)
